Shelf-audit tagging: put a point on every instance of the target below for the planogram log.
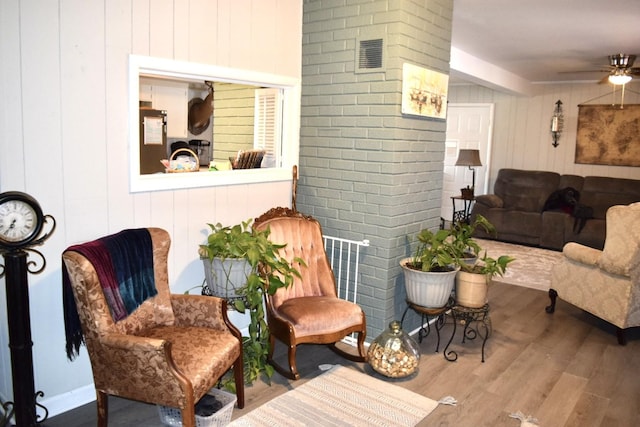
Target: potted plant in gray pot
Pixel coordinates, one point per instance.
(247, 255)
(430, 274)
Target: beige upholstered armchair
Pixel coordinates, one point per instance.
(604, 283)
(309, 311)
(166, 349)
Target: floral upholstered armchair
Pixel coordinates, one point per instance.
(604, 283)
(168, 349)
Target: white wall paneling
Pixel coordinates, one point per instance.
(64, 138)
(521, 137)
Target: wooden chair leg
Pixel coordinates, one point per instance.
(188, 416)
(361, 351)
(292, 361)
(238, 373)
(362, 354)
(292, 372)
(102, 402)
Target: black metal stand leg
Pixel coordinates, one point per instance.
(439, 323)
(476, 323)
(8, 409)
(424, 332)
(20, 344)
(451, 356)
(485, 337)
(426, 313)
(403, 315)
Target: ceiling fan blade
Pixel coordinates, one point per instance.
(585, 71)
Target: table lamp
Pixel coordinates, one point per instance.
(469, 158)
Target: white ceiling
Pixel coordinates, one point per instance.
(546, 40)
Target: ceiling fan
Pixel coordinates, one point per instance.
(621, 69)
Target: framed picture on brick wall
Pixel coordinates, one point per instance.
(424, 92)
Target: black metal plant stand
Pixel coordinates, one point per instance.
(476, 323)
(437, 314)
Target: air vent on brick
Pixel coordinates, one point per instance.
(370, 55)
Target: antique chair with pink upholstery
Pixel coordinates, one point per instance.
(309, 311)
(145, 343)
(604, 283)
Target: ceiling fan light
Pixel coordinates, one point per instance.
(619, 79)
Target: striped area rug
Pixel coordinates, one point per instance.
(342, 397)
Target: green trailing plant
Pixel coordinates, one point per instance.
(462, 236)
(269, 272)
(489, 266)
(435, 251)
(444, 249)
(466, 247)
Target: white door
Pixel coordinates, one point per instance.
(469, 126)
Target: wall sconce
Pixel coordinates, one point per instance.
(469, 158)
(557, 123)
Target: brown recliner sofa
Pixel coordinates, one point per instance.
(516, 207)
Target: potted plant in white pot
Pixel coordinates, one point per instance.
(265, 272)
(430, 274)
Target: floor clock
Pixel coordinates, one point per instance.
(21, 228)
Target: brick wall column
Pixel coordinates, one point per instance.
(366, 170)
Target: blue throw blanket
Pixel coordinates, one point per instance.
(124, 265)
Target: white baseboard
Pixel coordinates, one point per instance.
(65, 402)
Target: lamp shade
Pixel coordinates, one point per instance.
(469, 158)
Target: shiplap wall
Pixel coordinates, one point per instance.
(64, 137)
(521, 136)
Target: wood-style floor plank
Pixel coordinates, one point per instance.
(565, 369)
(560, 403)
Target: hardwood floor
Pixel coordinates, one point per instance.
(565, 369)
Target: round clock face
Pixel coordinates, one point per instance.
(20, 219)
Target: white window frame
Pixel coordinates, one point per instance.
(288, 87)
